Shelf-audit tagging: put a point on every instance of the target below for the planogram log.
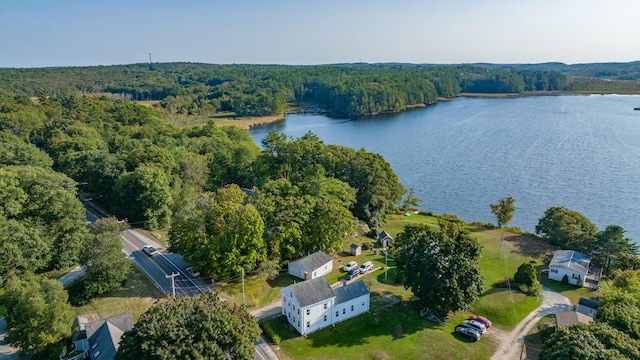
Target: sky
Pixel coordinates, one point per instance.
(42, 33)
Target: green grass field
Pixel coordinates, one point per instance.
(136, 296)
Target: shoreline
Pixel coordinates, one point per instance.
(250, 122)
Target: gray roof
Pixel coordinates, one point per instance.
(355, 246)
(589, 303)
(104, 335)
(315, 260)
(311, 291)
(384, 235)
(350, 292)
(566, 318)
(572, 260)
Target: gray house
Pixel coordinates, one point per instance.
(99, 339)
(311, 266)
(588, 307)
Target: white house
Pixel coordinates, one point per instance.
(384, 239)
(312, 305)
(311, 266)
(571, 263)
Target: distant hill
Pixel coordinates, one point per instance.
(611, 70)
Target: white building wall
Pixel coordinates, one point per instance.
(316, 316)
(558, 272)
(298, 269)
(351, 308)
(291, 311)
(323, 270)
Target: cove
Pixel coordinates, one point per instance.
(582, 152)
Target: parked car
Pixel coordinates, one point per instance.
(482, 320)
(472, 324)
(350, 266)
(351, 274)
(366, 267)
(192, 272)
(468, 332)
(150, 250)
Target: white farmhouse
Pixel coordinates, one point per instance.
(312, 305)
(571, 263)
(311, 266)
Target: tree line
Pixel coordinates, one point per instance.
(259, 90)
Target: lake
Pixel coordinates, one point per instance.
(581, 152)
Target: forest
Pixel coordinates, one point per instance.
(351, 90)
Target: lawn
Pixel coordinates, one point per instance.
(258, 291)
(397, 333)
(534, 339)
(136, 296)
(574, 293)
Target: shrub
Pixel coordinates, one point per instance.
(533, 290)
(526, 275)
(565, 280)
(275, 338)
(365, 246)
(426, 213)
(505, 282)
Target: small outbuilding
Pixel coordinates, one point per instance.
(355, 249)
(311, 266)
(384, 239)
(566, 318)
(588, 307)
(571, 263)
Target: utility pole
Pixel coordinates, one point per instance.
(386, 268)
(173, 283)
(500, 247)
(242, 286)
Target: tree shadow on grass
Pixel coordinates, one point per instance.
(393, 323)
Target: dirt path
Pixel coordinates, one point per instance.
(511, 344)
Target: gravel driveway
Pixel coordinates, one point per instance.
(511, 345)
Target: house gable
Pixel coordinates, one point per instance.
(311, 266)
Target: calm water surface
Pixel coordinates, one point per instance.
(582, 152)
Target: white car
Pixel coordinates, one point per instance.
(350, 266)
(150, 250)
(366, 267)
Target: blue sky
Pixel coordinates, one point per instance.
(37, 33)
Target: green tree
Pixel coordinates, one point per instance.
(595, 342)
(620, 308)
(440, 268)
(566, 228)
(610, 243)
(105, 264)
(39, 314)
(526, 275)
(200, 327)
(504, 210)
(222, 235)
(144, 195)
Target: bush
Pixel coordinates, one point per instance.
(533, 290)
(365, 246)
(526, 275)
(481, 224)
(505, 282)
(426, 213)
(275, 338)
(565, 280)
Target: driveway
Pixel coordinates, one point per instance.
(511, 344)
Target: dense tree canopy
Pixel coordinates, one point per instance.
(200, 327)
(440, 267)
(105, 265)
(566, 228)
(39, 314)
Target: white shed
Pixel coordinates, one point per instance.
(311, 266)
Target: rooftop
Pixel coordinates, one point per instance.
(315, 260)
(350, 292)
(566, 318)
(310, 292)
(571, 259)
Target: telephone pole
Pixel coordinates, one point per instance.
(173, 283)
(242, 286)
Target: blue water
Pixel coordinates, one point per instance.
(582, 152)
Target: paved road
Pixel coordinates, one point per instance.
(6, 352)
(158, 266)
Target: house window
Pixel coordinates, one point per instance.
(325, 318)
(298, 323)
(298, 311)
(308, 323)
(308, 311)
(294, 306)
(351, 307)
(314, 274)
(363, 303)
(344, 311)
(555, 271)
(325, 267)
(96, 354)
(337, 313)
(325, 305)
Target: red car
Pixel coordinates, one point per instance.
(481, 319)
